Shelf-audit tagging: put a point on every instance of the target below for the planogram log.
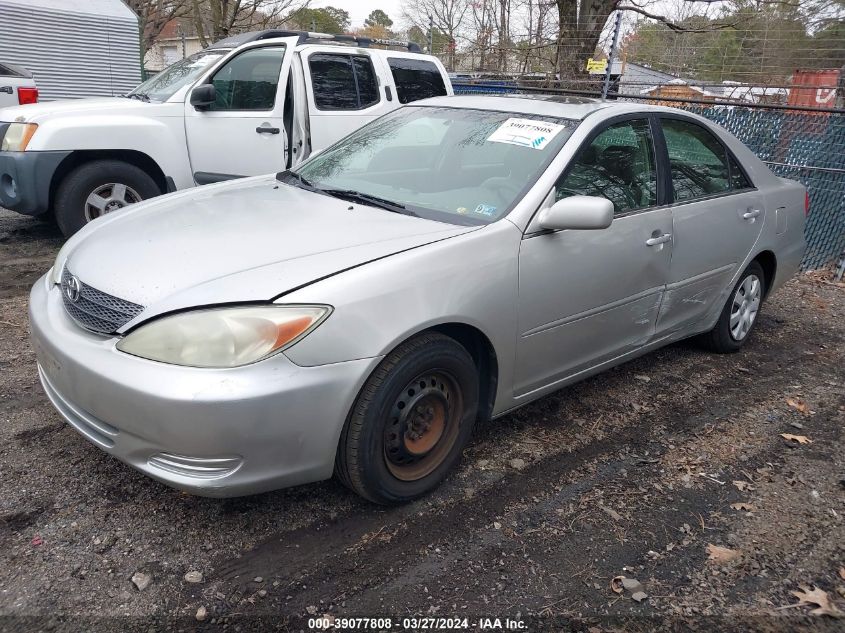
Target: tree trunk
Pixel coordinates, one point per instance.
(579, 34)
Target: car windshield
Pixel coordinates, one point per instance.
(165, 84)
(457, 165)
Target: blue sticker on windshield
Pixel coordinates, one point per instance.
(485, 209)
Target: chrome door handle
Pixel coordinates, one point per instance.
(750, 215)
(661, 239)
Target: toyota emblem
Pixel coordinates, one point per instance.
(72, 289)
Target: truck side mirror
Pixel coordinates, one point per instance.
(203, 97)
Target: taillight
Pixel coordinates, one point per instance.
(806, 203)
(27, 95)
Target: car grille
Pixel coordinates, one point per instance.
(95, 310)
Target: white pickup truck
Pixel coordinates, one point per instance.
(17, 86)
(248, 105)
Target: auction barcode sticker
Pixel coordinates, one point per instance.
(525, 132)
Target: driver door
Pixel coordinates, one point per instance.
(243, 132)
(589, 296)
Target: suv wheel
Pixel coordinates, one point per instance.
(97, 188)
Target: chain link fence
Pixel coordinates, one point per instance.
(804, 145)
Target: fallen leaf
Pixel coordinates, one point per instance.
(36, 541)
(801, 439)
(719, 554)
(613, 514)
(801, 406)
(743, 506)
(639, 596)
(616, 584)
(742, 486)
(842, 573)
(818, 598)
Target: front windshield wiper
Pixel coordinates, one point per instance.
(295, 179)
(366, 198)
(140, 96)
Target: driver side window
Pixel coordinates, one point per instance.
(249, 81)
(618, 165)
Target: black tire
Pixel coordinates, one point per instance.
(376, 456)
(720, 339)
(69, 205)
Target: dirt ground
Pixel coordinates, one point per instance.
(638, 473)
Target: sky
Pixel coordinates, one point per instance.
(360, 9)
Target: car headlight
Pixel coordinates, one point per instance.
(223, 337)
(17, 136)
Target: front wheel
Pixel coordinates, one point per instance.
(410, 422)
(739, 315)
(97, 188)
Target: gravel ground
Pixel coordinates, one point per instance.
(671, 471)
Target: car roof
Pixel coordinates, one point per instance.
(563, 106)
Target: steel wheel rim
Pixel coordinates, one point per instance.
(744, 307)
(107, 198)
(423, 425)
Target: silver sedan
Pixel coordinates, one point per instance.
(446, 264)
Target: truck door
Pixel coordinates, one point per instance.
(242, 133)
(344, 92)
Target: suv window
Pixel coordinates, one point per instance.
(343, 82)
(698, 161)
(249, 81)
(415, 79)
(618, 165)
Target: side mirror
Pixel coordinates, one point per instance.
(577, 212)
(203, 96)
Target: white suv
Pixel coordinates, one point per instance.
(248, 105)
(17, 87)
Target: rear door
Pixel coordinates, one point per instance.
(717, 216)
(243, 132)
(344, 92)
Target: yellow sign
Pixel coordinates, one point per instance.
(596, 65)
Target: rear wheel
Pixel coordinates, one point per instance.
(410, 422)
(739, 315)
(97, 188)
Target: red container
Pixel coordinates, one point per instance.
(816, 88)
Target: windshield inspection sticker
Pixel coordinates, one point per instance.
(485, 209)
(525, 132)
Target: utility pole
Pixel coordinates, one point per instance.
(430, 35)
(616, 27)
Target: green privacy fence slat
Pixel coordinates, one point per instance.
(804, 146)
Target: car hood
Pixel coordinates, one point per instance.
(38, 111)
(248, 240)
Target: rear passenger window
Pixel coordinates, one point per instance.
(698, 161)
(738, 178)
(343, 82)
(416, 79)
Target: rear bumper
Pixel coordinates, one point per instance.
(25, 179)
(217, 433)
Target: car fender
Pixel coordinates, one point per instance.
(162, 139)
(471, 279)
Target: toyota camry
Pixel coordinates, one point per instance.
(441, 266)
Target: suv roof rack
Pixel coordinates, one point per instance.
(306, 37)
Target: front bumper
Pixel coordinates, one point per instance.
(25, 179)
(217, 433)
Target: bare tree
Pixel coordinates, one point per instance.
(153, 15)
(447, 16)
(218, 19)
